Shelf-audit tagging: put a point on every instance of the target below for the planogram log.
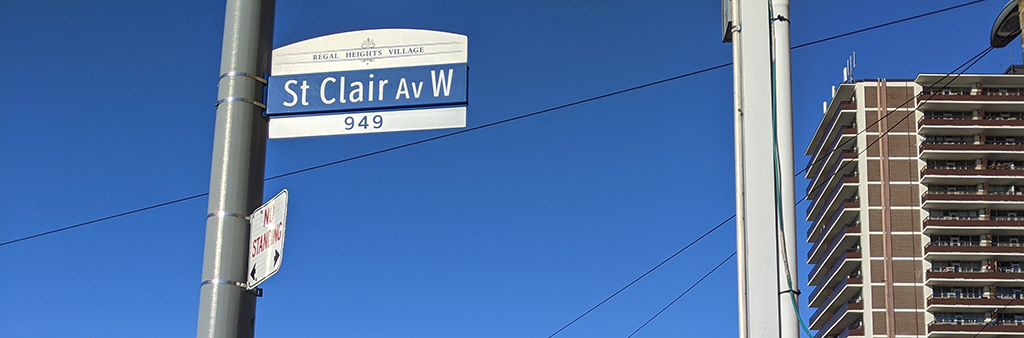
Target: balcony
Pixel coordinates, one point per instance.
(973, 328)
(963, 100)
(971, 301)
(824, 293)
(969, 274)
(842, 141)
(845, 213)
(981, 147)
(853, 331)
(837, 168)
(969, 174)
(848, 243)
(832, 123)
(838, 322)
(971, 224)
(826, 274)
(843, 293)
(968, 199)
(834, 237)
(968, 124)
(844, 188)
(971, 251)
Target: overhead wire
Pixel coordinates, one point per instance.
(683, 294)
(643, 275)
(134, 211)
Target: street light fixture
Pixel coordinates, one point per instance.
(1007, 25)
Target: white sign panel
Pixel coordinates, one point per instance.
(379, 70)
(369, 49)
(374, 122)
(266, 239)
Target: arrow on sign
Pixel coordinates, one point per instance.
(253, 273)
(276, 256)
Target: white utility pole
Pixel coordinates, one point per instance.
(766, 308)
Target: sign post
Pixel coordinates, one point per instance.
(227, 309)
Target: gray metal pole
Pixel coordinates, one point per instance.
(790, 325)
(759, 243)
(226, 309)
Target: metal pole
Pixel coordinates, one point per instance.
(741, 246)
(788, 281)
(759, 245)
(1020, 16)
(226, 308)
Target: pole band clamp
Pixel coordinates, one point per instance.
(243, 74)
(249, 101)
(222, 214)
(797, 292)
(223, 281)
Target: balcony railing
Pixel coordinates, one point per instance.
(999, 94)
(835, 191)
(971, 146)
(990, 119)
(951, 243)
(824, 226)
(837, 316)
(844, 154)
(852, 279)
(985, 302)
(853, 227)
(852, 202)
(846, 129)
(976, 196)
(852, 253)
(975, 274)
(972, 171)
(1002, 91)
(974, 326)
(972, 221)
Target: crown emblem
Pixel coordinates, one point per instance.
(368, 44)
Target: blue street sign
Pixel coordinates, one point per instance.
(371, 89)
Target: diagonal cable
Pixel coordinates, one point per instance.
(683, 294)
(645, 274)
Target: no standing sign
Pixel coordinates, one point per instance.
(266, 239)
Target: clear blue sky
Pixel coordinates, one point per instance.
(510, 231)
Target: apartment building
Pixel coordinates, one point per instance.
(917, 208)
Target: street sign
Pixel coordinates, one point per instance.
(266, 239)
(377, 89)
(376, 73)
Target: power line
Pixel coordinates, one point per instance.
(126, 213)
(683, 294)
(890, 23)
(645, 274)
(708, 69)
